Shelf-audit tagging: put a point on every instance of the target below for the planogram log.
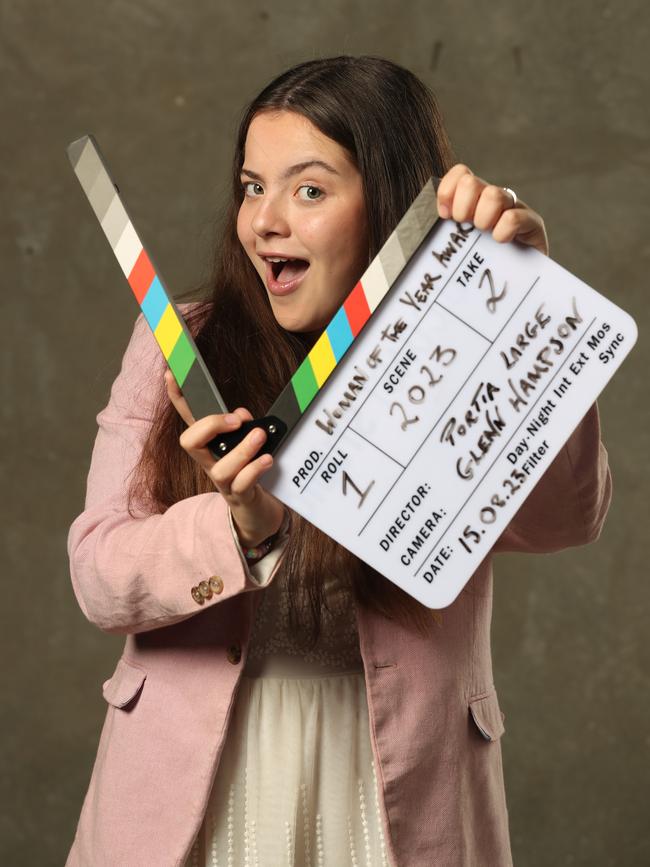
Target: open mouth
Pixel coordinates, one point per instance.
(284, 275)
(288, 270)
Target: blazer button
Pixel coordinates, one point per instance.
(204, 590)
(196, 596)
(234, 653)
(216, 584)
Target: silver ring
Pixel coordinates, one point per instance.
(513, 194)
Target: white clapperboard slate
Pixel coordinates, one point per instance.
(435, 399)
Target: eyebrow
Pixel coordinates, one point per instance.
(294, 170)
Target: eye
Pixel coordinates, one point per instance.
(258, 188)
(310, 191)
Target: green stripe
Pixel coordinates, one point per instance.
(304, 384)
(181, 359)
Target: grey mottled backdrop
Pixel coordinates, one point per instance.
(548, 98)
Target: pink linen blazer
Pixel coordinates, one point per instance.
(434, 714)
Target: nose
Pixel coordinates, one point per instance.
(270, 217)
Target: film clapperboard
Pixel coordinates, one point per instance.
(433, 402)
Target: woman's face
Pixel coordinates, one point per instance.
(303, 201)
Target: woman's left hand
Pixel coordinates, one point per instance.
(464, 197)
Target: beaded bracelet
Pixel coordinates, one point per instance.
(253, 555)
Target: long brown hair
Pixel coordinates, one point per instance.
(389, 123)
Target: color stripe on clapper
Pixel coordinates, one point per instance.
(358, 307)
(158, 308)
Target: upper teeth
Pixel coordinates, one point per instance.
(276, 259)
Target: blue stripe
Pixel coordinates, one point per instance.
(154, 303)
(339, 333)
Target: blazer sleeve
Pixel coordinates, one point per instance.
(132, 572)
(568, 505)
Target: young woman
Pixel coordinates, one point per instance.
(277, 702)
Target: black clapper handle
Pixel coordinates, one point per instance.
(275, 429)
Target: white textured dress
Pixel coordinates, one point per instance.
(296, 784)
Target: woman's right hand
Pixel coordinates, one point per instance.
(257, 513)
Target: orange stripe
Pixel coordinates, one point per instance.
(356, 308)
(141, 276)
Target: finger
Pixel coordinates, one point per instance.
(244, 482)
(507, 226)
(224, 471)
(243, 413)
(467, 194)
(523, 225)
(196, 437)
(194, 440)
(447, 188)
(491, 204)
(176, 397)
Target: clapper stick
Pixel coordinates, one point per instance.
(174, 338)
(159, 310)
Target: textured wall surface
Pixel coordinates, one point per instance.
(550, 99)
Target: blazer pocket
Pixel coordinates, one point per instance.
(125, 684)
(487, 715)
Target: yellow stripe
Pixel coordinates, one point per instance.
(322, 358)
(167, 331)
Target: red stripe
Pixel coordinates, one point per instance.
(356, 308)
(141, 276)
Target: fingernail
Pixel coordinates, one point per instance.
(231, 419)
(443, 210)
(257, 436)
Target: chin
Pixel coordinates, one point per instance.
(298, 322)
(299, 326)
